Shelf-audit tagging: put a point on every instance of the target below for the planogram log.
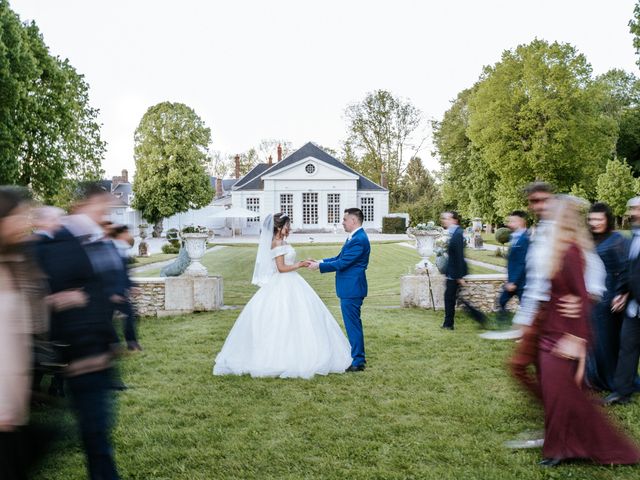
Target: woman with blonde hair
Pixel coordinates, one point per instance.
(575, 427)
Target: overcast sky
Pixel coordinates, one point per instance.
(287, 69)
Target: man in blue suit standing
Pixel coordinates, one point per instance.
(516, 262)
(351, 281)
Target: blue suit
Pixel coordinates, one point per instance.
(516, 272)
(351, 287)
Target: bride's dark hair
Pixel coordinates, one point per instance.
(279, 221)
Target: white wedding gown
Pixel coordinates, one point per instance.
(284, 331)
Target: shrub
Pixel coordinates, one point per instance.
(168, 248)
(502, 235)
(394, 224)
(173, 237)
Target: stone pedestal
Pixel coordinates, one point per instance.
(424, 290)
(187, 294)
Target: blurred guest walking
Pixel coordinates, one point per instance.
(575, 427)
(516, 262)
(628, 300)
(605, 324)
(80, 266)
(23, 315)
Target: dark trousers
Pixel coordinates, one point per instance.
(92, 398)
(129, 322)
(13, 463)
(22, 449)
(450, 299)
(353, 324)
(503, 299)
(627, 368)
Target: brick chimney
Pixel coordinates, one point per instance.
(219, 191)
(383, 177)
(237, 166)
(279, 152)
(270, 160)
(125, 176)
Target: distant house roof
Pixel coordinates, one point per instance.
(227, 183)
(253, 179)
(106, 184)
(124, 188)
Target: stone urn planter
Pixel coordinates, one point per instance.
(425, 242)
(195, 244)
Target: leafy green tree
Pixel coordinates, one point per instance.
(379, 129)
(578, 191)
(616, 186)
(49, 135)
(468, 181)
(170, 152)
(538, 114)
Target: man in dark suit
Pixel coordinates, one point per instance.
(516, 262)
(628, 299)
(456, 271)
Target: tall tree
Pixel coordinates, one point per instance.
(170, 151)
(379, 129)
(49, 135)
(468, 181)
(538, 114)
(616, 186)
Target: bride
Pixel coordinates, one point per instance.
(285, 330)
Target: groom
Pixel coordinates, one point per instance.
(351, 281)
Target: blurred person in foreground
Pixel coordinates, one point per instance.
(24, 314)
(79, 266)
(611, 247)
(523, 364)
(575, 426)
(627, 300)
(46, 222)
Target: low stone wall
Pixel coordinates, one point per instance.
(149, 300)
(159, 296)
(481, 290)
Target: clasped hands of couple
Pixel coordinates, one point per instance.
(309, 263)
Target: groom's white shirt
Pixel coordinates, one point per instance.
(348, 238)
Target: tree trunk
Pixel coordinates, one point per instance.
(157, 229)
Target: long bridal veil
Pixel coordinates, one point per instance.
(265, 267)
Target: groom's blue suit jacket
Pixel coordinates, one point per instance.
(350, 266)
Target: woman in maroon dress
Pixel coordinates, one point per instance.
(575, 426)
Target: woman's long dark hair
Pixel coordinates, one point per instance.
(601, 207)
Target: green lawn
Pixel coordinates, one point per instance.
(432, 404)
(156, 257)
(487, 256)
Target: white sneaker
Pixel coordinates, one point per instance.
(512, 334)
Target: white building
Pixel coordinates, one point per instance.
(313, 189)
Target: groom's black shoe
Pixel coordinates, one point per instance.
(355, 368)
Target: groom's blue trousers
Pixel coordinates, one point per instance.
(352, 322)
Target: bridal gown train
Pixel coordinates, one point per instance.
(284, 331)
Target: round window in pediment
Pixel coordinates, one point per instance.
(310, 168)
